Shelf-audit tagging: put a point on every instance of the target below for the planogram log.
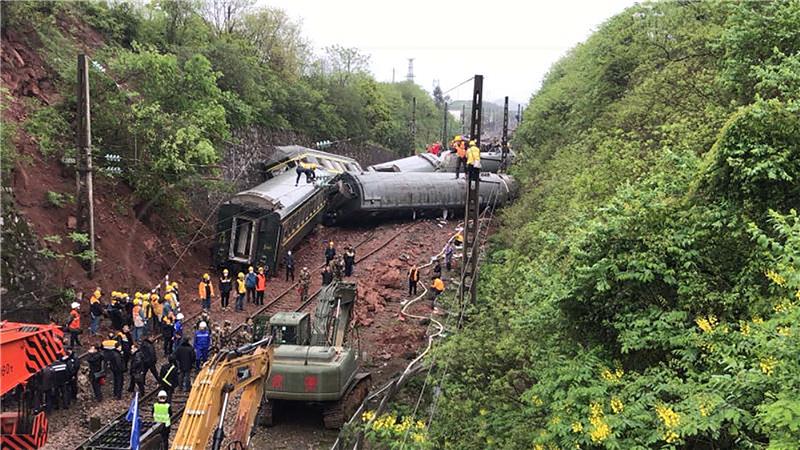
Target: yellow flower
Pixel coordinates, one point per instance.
(758, 320)
(420, 425)
(707, 324)
(745, 328)
(483, 411)
(577, 427)
(368, 415)
(538, 447)
(767, 365)
(671, 420)
(600, 430)
(776, 278)
(418, 437)
(616, 405)
(612, 375)
(670, 436)
(784, 331)
(704, 410)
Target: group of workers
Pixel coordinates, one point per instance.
(437, 285)
(468, 156)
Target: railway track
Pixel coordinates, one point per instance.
(116, 434)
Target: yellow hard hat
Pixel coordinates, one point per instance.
(241, 275)
(168, 296)
(137, 301)
(206, 276)
(224, 271)
(471, 142)
(458, 137)
(174, 285)
(153, 296)
(97, 293)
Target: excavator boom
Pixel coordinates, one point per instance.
(244, 369)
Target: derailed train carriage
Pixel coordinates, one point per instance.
(375, 195)
(491, 161)
(257, 226)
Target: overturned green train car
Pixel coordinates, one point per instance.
(256, 227)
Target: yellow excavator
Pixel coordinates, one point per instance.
(244, 369)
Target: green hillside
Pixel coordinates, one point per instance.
(644, 291)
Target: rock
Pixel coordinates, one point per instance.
(72, 222)
(392, 278)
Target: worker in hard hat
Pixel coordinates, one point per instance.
(461, 153)
(113, 359)
(330, 253)
(205, 290)
(250, 281)
(161, 414)
(202, 342)
(261, 286)
(241, 290)
(225, 288)
(177, 333)
(74, 325)
(473, 160)
(138, 318)
(95, 312)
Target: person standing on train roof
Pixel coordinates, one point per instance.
(225, 288)
(330, 253)
(461, 153)
(241, 290)
(261, 286)
(250, 284)
(473, 161)
(288, 261)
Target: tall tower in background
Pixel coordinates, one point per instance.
(410, 75)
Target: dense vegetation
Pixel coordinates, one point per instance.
(645, 290)
(172, 80)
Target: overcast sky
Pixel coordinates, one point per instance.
(512, 43)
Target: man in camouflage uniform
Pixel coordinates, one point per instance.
(305, 282)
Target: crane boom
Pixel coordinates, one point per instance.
(244, 369)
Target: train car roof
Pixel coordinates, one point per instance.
(278, 194)
(423, 162)
(287, 153)
(377, 185)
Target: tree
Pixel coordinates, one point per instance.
(225, 15)
(278, 40)
(344, 62)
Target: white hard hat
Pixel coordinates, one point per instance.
(75, 305)
(290, 252)
(180, 316)
(203, 325)
(162, 394)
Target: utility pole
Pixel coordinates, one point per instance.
(85, 194)
(469, 270)
(413, 125)
(444, 127)
(504, 141)
(519, 114)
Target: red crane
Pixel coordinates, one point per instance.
(25, 349)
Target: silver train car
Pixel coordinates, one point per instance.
(257, 226)
(356, 197)
(445, 162)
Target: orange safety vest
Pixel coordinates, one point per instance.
(75, 322)
(261, 282)
(461, 151)
(201, 289)
(413, 274)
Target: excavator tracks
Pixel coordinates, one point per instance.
(337, 413)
